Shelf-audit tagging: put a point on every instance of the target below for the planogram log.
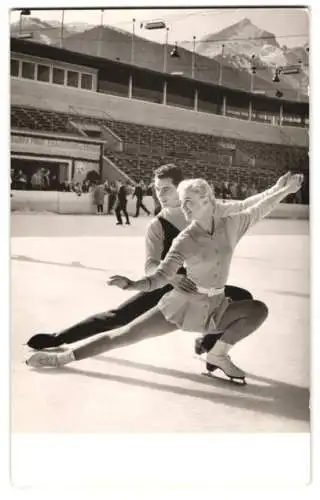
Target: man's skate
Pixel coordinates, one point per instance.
(44, 341)
(224, 363)
(205, 343)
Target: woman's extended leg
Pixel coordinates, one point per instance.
(102, 322)
(149, 325)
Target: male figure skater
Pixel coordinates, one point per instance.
(160, 235)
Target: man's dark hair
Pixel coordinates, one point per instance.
(170, 171)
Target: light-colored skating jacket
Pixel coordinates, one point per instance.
(207, 259)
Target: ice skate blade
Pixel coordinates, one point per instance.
(212, 368)
(232, 380)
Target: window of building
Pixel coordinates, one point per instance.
(86, 81)
(73, 79)
(43, 73)
(28, 70)
(14, 67)
(58, 76)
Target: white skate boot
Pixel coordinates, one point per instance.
(42, 360)
(218, 358)
(50, 360)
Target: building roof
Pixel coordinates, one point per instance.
(101, 63)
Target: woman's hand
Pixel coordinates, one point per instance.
(295, 182)
(184, 284)
(292, 181)
(120, 281)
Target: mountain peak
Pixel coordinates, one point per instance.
(244, 30)
(33, 21)
(244, 22)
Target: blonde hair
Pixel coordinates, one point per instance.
(198, 186)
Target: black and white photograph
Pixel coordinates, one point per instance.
(160, 253)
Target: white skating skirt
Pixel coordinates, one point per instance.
(195, 313)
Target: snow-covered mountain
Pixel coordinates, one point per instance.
(236, 44)
(31, 23)
(240, 38)
(45, 32)
(77, 27)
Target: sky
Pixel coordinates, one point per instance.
(290, 25)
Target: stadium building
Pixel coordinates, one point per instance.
(81, 117)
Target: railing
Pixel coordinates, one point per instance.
(84, 112)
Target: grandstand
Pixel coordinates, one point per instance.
(130, 120)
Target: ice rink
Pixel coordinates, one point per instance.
(59, 268)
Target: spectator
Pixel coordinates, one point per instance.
(129, 188)
(68, 186)
(139, 193)
(85, 186)
(45, 173)
(121, 203)
(239, 191)
(36, 180)
(11, 181)
(225, 191)
(217, 190)
(98, 197)
(244, 189)
(252, 190)
(21, 181)
(77, 188)
(112, 196)
(234, 190)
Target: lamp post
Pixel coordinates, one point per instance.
(62, 27)
(220, 67)
(160, 25)
(165, 54)
(253, 71)
(132, 40)
(23, 12)
(193, 57)
(100, 34)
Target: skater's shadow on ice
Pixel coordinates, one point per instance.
(74, 264)
(291, 293)
(261, 394)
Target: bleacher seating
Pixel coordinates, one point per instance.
(146, 148)
(28, 118)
